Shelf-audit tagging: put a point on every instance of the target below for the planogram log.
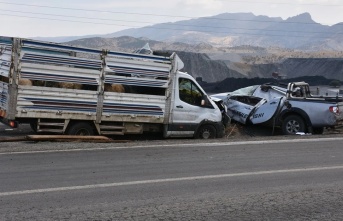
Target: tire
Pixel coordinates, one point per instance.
(206, 132)
(292, 125)
(81, 129)
(318, 130)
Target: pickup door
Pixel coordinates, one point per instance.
(256, 110)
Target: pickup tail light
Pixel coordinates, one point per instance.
(334, 110)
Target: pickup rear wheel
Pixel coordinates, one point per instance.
(81, 129)
(292, 125)
(206, 132)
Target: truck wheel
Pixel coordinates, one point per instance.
(206, 132)
(81, 129)
(292, 125)
(318, 130)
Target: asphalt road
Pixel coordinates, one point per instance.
(298, 179)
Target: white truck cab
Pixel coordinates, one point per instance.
(193, 110)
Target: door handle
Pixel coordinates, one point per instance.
(179, 106)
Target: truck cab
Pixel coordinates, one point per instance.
(193, 113)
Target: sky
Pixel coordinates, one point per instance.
(52, 18)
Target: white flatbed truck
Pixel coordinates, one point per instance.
(158, 97)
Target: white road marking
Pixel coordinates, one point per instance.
(182, 145)
(142, 182)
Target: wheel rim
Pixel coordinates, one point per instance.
(206, 134)
(293, 126)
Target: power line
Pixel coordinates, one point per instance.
(93, 10)
(167, 24)
(146, 14)
(285, 3)
(71, 16)
(55, 19)
(161, 28)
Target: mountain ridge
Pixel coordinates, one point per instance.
(235, 29)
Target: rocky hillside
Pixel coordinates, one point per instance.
(231, 84)
(129, 44)
(201, 66)
(328, 67)
(196, 64)
(214, 64)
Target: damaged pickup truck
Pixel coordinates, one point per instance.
(291, 107)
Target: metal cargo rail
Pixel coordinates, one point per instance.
(47, 66)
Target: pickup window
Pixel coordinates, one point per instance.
(300, 92)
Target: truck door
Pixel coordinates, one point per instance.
(190, 107)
